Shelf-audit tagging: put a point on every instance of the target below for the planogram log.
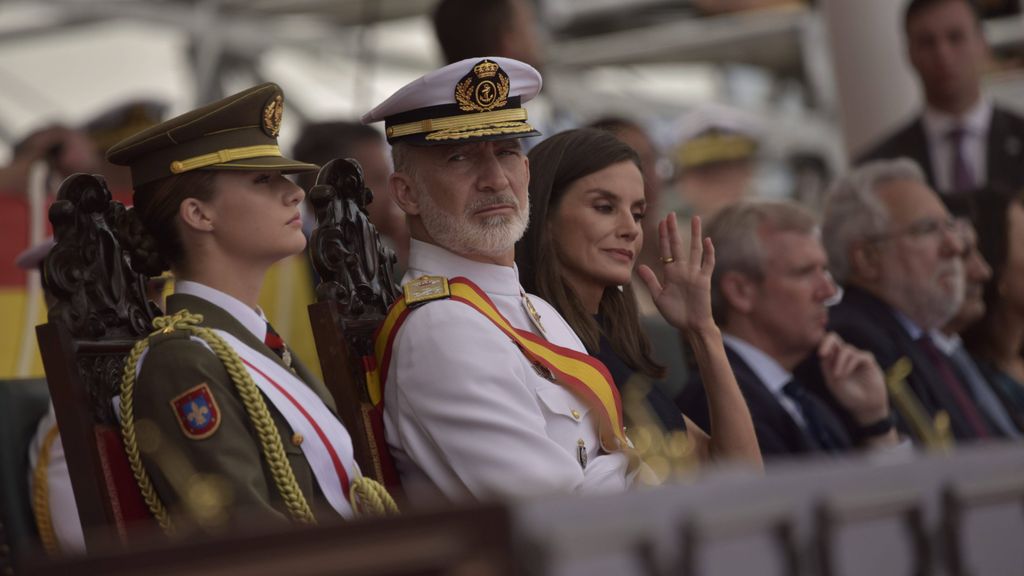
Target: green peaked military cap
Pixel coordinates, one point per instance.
(236, 133)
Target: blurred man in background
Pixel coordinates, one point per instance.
(962, 140)
(715, 160)
(322, 142)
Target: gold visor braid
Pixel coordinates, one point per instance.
(224, 156)
(461, 122)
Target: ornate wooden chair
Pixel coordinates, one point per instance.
(99, 310)
(356, 289)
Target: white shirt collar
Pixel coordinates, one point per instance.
(975, 121)
(767, 369)
(909, 325)
(252, 319)
(425, 258)
(947, 344)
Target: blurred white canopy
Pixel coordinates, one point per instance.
(68, 60)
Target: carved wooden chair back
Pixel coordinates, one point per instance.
(356, 288)
(97, 312)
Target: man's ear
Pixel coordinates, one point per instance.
(866, 260)
(739, 291)
(406, 195)
(196, 215)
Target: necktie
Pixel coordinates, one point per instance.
(962, 178)
(956, 388)
(813, 417)
(274, 341)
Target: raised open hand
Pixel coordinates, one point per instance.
(685, 298)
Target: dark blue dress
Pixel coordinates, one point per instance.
(657, 401)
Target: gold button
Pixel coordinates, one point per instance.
(297, 439)
(575, 413)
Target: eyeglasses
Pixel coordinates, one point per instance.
(920, 229)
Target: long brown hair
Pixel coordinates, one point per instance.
(554, 165)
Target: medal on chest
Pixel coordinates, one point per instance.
(534, 316)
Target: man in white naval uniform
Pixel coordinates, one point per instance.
(466, 414)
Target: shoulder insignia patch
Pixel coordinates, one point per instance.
(425, 289)
(197, 412)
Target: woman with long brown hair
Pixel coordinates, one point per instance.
(586, 206)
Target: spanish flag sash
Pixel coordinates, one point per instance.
(582, 374)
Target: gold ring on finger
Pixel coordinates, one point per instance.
(668, 259)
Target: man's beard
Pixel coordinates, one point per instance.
(929, 302)
(491, 236)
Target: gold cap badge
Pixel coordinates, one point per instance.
(272, 114)
(483, 89)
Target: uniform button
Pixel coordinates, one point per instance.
(297, 439)
(575, 414)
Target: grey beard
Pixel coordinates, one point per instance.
(492, 236)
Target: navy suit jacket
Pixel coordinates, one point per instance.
(870, 324)
(1004, 159)
(777, 433)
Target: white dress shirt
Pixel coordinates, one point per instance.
(252, 319)
(465, 414)
(770, 372)
(975, 122)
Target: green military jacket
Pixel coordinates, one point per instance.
(174, 365)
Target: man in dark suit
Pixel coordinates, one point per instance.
(961, 139)
(977, 273)
(897, 252)
(769, 292)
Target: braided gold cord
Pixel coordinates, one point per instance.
(256, 408)
(41, 495)
(369, 498)
(266, 430)
(131, 443)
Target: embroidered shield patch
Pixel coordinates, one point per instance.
(197, 412)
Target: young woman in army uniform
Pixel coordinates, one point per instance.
(231, 428)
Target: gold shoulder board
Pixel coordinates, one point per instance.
(425, 289)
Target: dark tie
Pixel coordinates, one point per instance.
(274, 341)
(962, 177)
(813, 417)
(952, 383)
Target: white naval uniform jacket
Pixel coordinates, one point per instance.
(465, 414)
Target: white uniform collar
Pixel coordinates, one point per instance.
(425, 258)
(976, 120)
(771, 373)
(252, 319)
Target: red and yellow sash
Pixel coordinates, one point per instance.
(582, 374)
